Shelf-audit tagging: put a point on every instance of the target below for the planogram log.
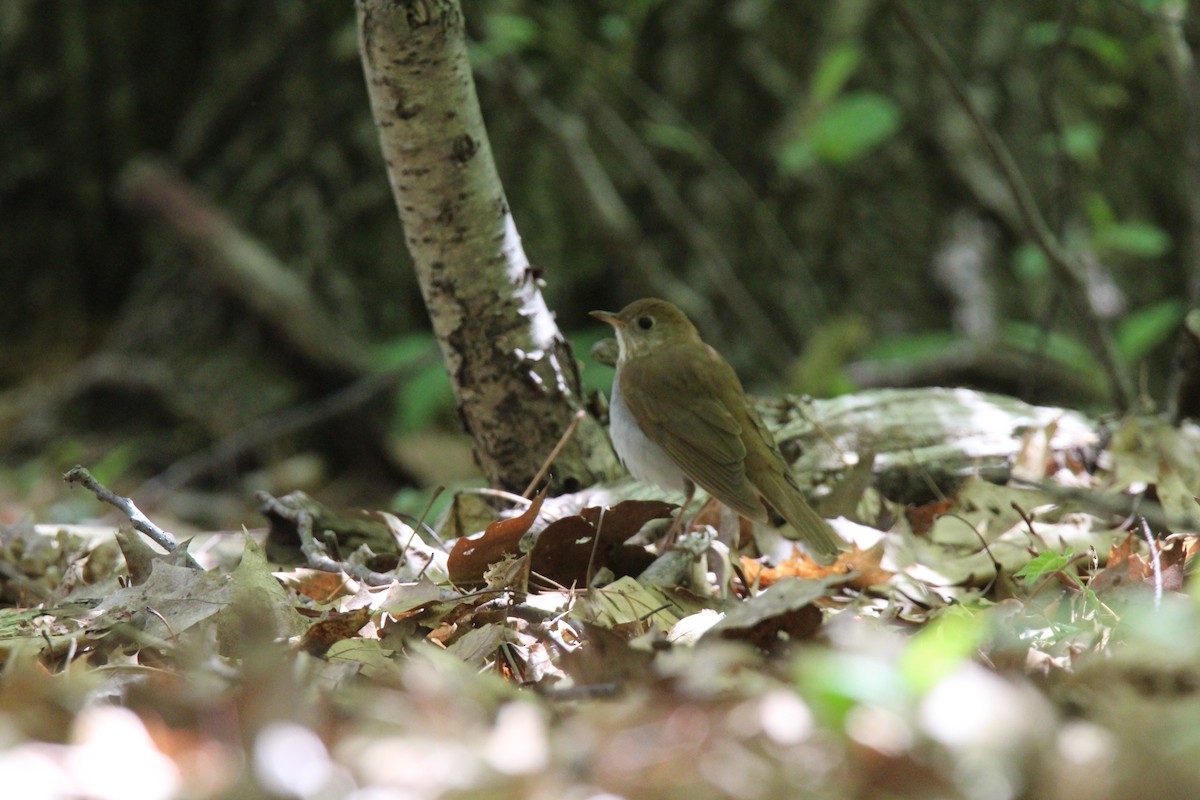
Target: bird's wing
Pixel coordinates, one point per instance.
(698, 429)
(779, 488)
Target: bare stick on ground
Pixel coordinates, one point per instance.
(141, 523)
(314, 551)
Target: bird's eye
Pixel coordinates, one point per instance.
(645, 323)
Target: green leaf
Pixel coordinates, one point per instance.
(1082, 142)
(1044, 564)
(939, 649)
(1145, 329)
(1137, 239)
(596, 377)
(1030, 264)
(1042, 34)
(835, 682)
(427, 393)
(1054, 346)
(674, 138)
(1098, 210)
(510, 33)
(423, 398)
(915, 348)
(116, 463)
(401, 352)
(1108, 50)
(836, 67)
(853, 125)
(504, 35)
(796, 156)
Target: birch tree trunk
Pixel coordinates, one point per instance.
(514, 375)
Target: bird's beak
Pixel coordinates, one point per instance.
(609, 317)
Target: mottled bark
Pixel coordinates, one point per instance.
(514, 375)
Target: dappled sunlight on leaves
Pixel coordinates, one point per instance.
(1023, 637)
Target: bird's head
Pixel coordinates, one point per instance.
(648, 324)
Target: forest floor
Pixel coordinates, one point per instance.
(1020, 641)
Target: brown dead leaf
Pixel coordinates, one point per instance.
(470, 558)
(1173, 563)
(317, 584)
(566, 548)
(863, 562)
(335, 627)
(626, 518)
(921, 518)
(1126, 568)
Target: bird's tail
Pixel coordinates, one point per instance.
(805, 523)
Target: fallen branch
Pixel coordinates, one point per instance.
(141, 523)
(294, 510)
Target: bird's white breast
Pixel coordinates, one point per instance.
(645, 460)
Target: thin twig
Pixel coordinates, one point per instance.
(1028, 520)
(158, 614)
(558, 448)
(487, 491)
(140, 521)
(1155, 562)
(1066, 269)
(421, 523)
(595, 547)
(996, 566)
(314, 551)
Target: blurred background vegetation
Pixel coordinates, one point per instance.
(794, 175)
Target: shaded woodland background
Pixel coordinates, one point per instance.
(795, 176)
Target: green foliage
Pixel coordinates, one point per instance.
(840, 126)
(1082, 142)
(1058, 347)
(596, 377)
(1135, 239)
(914, 348)
(1146, 329)
(505, 34)
(853, 125)
(941, 647)
(820, 370)
(1108, 50)
(1046, 563)
(427, 394)
(834, 70)
(837, 682)
(1030, 263)
(116, 463)
(673, 138)
(1128, 238)
(843, 131)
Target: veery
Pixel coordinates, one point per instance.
(680, 419)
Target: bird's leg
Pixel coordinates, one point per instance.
(676, 526)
